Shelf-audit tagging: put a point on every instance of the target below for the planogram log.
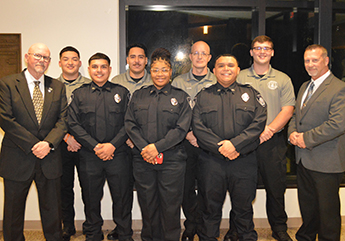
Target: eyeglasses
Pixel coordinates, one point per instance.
(39, 57)
(266, 49)
(164, 71)
(203, 54)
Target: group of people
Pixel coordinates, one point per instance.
(185, 142)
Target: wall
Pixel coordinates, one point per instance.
(91, 26)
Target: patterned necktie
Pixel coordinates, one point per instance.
(309, 94)
(37, 100)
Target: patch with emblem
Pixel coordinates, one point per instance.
(117, 98)
(245, 97)
(261, 100)
(173, 101)
(272, 85)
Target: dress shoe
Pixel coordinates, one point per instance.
(281, 236)
(67, 233)
(113, 235)
(231, 236)
(187, 237)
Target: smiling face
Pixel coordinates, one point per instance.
(37, 67)
(99, 71)
(137, 61)
(226, 70)
(315, 63)
(263, 55)
(70, 64)
(160, 73)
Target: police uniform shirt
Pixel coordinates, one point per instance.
(192, 86)
(173, 117)
(82, 114)
(275, 87)
(237, 113)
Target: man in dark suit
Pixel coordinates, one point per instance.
(30, 149)
(317, 130)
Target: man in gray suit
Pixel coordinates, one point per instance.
(317, 131)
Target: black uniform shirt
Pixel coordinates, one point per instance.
(82, 114)
(237, 113)
(173, 117)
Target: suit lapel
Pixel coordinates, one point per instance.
(23, 90)
(317, 93)
(48, 97)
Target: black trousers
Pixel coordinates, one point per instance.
(70, 161)
(160, 190)
(318, 197)
(191, 200)
(239, 177)
(93, 174)
(49, 205)
(271, 156)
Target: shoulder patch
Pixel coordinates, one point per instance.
(260, 100)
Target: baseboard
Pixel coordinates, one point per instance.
(136, 224)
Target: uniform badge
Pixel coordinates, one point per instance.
(261, 100)
(272, 85)
(50, 89)
(117, 98)
(173, 101)
(245, 97)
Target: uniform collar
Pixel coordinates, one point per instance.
(95, 87)
(165, 90)
(253, 74)
(220, 89)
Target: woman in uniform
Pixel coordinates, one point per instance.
(157, 121)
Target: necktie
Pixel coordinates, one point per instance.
(226, 95)
(37, 100)
(101, 130)
(152, 118)
(309, 94)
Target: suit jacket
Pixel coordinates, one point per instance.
(22, 132)
(322, 121)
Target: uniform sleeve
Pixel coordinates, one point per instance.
(132, 127)
(121, 136)
(287, 93)
(249, 135)
(177, 134)
(75, 127)
(207, 139)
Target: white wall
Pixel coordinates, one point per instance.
(90, 26)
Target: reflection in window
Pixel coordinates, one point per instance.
(177, 30)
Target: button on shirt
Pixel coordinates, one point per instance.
(173, 117)
(241, 120)
(82, 114)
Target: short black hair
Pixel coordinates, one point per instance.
(136, 45)
(226, 55)
(161, 53)
(99, 56)
(69, 48)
